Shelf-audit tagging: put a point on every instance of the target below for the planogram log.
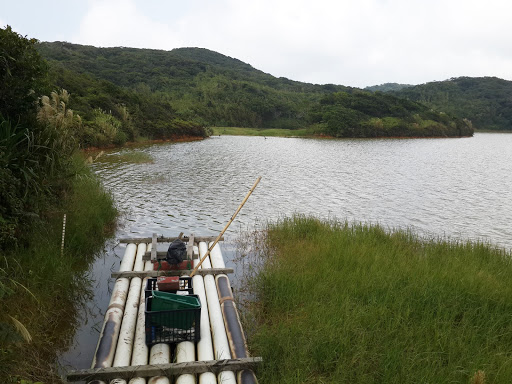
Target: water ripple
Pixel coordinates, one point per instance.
(436, 186)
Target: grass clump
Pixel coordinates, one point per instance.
(341, 303)
(134, 157)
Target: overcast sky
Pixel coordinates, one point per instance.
(349, 42)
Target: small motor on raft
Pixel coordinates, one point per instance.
(175, 258)
(177, 252)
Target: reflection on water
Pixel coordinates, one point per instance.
(455, 187)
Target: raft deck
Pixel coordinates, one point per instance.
(122, 356)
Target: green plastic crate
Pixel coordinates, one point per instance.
(174, 321)
(165, 301)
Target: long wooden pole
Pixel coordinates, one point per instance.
(225, 228)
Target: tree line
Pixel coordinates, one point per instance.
(211, 89)
(486, 101)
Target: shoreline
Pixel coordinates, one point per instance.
(134, 144)
(302, 133)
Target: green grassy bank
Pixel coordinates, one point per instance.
(41, 291)
(342, 303)
(270, 132)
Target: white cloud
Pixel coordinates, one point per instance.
(326, 41)
(113, 23)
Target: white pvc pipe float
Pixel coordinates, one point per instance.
(125, 342)
(140, 349)
(128, 258)
(204, 345)
(104, 355)
(160, 354)
(139, 263)
(137, 380)
(126, 334)
(185, 352)
(234, 331)
(220, 341)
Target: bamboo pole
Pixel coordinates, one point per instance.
(225, 228)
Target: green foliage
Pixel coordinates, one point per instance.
(139, 111)
(25, 166)
(270, 132)
(58, 119)
(33, 156)
(387, 87)
(342, 303)
(39, 180)
(365, 114)
(22, 75)
(44, 289)
(171, 89)
(485, 101)
(202, 86)
(103, 130)
(34, 164)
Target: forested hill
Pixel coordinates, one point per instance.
(486, 101)
(201, 85)
(210, 89)
(165, 70)
(387, 87)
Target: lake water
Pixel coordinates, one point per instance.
(459, 188)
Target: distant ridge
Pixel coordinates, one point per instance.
(179, 66)
(387, 87)
(486, 101)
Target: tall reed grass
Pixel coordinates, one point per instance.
(351, 303)
(43, 290)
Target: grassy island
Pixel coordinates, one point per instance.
(342, 303)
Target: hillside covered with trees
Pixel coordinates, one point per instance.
(364, 114)
(486, 101)
(202, 87)
(387, 87)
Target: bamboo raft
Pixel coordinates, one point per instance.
(122, 356)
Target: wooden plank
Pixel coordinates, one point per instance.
(153, 247)
(160, 255)
(173, 369)
(138, 240)
(183, 272)
(190, 247)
